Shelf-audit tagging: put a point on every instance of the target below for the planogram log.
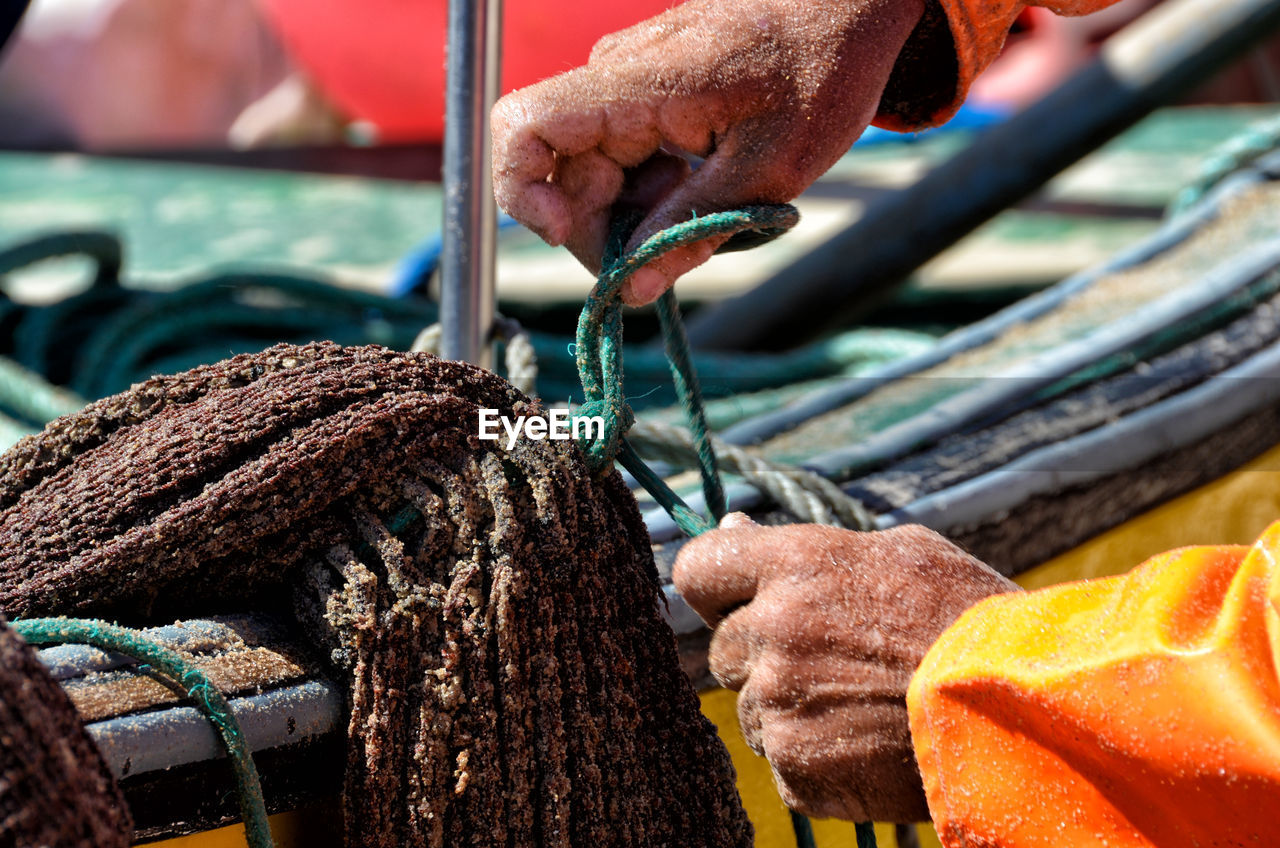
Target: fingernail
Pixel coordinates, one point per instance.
(736, 520)
(645, 286)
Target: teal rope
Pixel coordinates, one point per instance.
(803, 830)
(109, 336)
(599, 358)
(207, 698)
(690, 393)
(1235, 153)
(599, 352)
(103, 248)
(110, 360)
(31, 397)
(689, 522)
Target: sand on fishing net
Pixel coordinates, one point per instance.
(495, 612)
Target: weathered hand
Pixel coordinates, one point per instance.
(770, 92)
(821, 630)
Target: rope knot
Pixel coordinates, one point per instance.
(599, 344)
(602, 450)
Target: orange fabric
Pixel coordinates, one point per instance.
(978, 30)
(1129, 711)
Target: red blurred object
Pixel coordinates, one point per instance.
(383, 60)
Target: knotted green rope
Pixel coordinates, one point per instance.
(207, 698)
(599, 357)
(599, 353)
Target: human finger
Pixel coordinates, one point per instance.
(734, 646)
(652, 180)
(533, 128)
(591, 182)
(755, 699)
(718, 571)
(736, 521)
(733, 176)
(598, 189)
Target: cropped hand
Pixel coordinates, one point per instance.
(769, 92)
(820, 631)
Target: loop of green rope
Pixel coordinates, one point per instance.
(599, 358)
(599, 352)
(102, 247)
(207, 698)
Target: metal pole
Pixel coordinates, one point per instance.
(470, 216)
(1169, 50)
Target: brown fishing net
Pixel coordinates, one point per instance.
(54, 788)
(495, 611)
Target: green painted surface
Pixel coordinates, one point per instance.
(180, 220)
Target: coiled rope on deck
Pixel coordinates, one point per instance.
(110, 336)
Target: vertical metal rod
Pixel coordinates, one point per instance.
(470, 216)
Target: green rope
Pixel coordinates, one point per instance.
(690, 393)
(207, 698)
(33, 398)
(599, 352)
(103, 248)
(599, 358)
(1239, 151)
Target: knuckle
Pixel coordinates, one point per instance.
(606, 45)
(916, 532)
(749, 721)
(504, 118)
(693, 559)
(788, 749)
(729, 677)
(769, 686)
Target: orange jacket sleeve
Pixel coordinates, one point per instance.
(1140, 710)
(977, 31)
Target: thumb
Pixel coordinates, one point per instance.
(736, 521)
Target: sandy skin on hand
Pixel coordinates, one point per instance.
(770, 93)
(820, 631)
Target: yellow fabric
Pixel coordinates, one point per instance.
(1137, 710)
